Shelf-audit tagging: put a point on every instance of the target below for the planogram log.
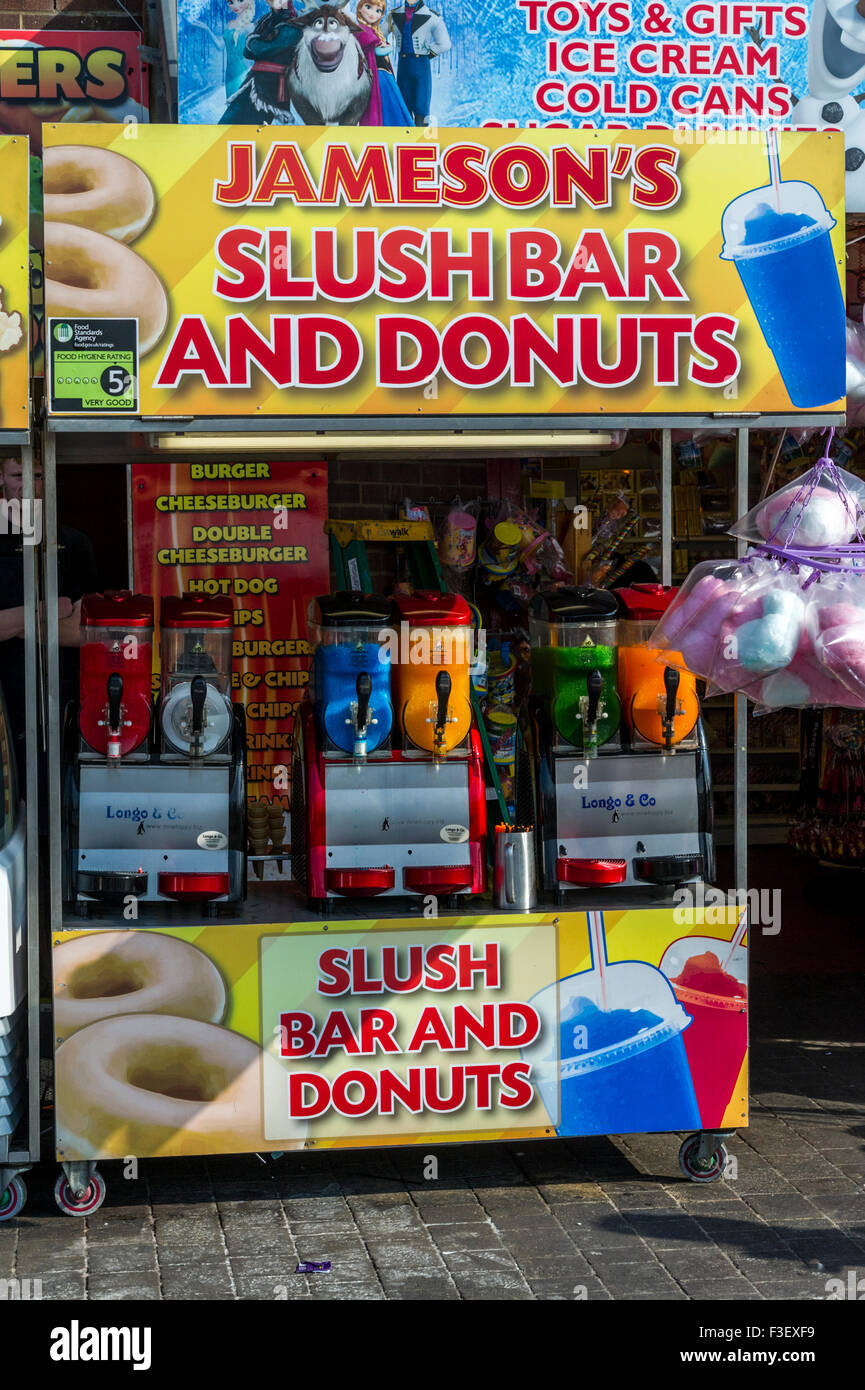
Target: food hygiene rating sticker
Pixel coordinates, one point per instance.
(93, 365)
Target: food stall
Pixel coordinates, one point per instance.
(443, 294)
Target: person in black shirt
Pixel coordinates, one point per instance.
(76, 577)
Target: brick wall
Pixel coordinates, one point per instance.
(69, 14)
(358, 489)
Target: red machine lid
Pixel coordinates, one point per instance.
(117, 608)
(428, 608)
(193, 610)
(644, 601)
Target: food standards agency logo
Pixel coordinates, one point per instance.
(63, 332)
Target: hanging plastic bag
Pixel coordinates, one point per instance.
(828, 666)
(734, 622)
(760, 634)
(837, 625)
(822, 508)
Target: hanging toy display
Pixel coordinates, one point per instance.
(785, 625)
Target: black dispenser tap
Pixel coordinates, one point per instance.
(595, 688)
(361, 715)
(198, 693)
(592, 708)
(363, 686)
(671, 686)
(443, 691)
(114, 689)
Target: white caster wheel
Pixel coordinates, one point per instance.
(702, 1169)
(71, 1205)
(13, 1199)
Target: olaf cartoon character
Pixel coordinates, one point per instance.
(836, 69)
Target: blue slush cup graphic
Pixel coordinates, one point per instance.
(621, 1066)
(778, 238)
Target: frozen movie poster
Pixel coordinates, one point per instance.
(570, 63)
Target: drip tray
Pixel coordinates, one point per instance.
(360, 883)
(669, 868)
(588, 873)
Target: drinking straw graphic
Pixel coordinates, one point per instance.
(599, 952)
(774, 166)
(737, 939)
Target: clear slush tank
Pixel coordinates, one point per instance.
(116, 671)
(431, 679)
(195, 655)
(351, 670)
(573, 641)
(659, 702)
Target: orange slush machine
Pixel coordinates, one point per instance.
(660, 705)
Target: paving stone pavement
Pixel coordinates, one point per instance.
(606, 1218)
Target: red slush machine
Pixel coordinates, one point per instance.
(155, 803)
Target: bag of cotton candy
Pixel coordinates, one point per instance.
(733, 622)
(831, 615)
(823, 507)
(833, 644)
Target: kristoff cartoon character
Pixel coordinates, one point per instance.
(263, 97)
(422, 37)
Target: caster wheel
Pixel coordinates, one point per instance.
(702, 1169)
(13, 1199)
(71, 1205)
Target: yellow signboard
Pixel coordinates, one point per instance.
(247, 1037)
(308, 271)
(14, 283)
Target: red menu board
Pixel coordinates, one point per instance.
(252, 531)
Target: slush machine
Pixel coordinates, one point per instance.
(154, 802)
(622, 792)
(388, 791)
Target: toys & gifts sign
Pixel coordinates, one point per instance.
(544, 272)
(518, 62)
(604, 64)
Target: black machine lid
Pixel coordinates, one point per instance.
(346, 608)
(578, 604)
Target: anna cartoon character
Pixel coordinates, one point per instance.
(386, 106)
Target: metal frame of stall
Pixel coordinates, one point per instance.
(315, 432)
(20, 1150)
